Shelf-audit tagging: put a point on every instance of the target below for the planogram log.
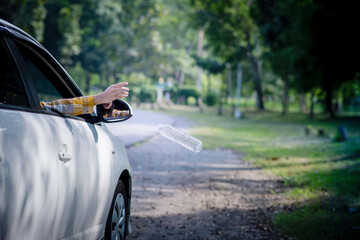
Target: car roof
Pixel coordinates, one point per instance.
(13, 30)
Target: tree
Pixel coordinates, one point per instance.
(316, 40)
(232, 34)
(28, 15)
(274, 29)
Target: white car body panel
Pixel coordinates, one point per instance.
(85, 179)
(28, 176)
(74, 196)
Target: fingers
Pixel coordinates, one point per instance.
(121, 84)
(122, 94)
(119, 90)
(113, 92)
(122, 91)
(124, 88)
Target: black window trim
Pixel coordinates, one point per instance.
(28, 96)
(23, 37)
(30, 90)
(9, 37)
(63, 84)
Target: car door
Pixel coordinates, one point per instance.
(84, 153)
(28, 166)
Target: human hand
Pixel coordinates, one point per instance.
(113, 92)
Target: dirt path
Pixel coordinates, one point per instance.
(178, 194)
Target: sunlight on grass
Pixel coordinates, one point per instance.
(320, 175)
(303, 193)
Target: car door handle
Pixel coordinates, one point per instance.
(64, 156)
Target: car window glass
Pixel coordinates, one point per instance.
(12, 91)
(38, 71)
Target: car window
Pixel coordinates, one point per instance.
(12, 91)
(39, 73)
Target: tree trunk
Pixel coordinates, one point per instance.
(182, 72)
(229, 92)
(181, 78)
(286, 94)
(328, 100)
(257, 78)
(219, 111)
(177, 76)
(238, 91)
(52, 35)
(302, 103)
(198, 54)
(255, 66)
(199, 69)
(312, 104)
(87, 82)
(209, 83)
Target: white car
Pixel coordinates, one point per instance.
(61, 177)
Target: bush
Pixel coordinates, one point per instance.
(211, 99)
(189, 91)
(135, 79)
(134, 94)
(147, 94)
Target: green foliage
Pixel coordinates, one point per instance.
(135, 79)
(321, 220)
(189, 91)
(141, 89)
(232, 34)
(350, 93)
(70, 28)
(110, 37)
(28, 15)
(134, 94)
(212, 66)
(312, 42)
(304, 38)
(211, 98)
(339, 137)
(147, 94)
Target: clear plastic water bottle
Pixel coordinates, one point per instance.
(189, 142)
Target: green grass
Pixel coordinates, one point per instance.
(321, 176)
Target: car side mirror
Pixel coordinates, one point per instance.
(115, 111)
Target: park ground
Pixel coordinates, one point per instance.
(260, 177)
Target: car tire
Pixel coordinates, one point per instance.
(116, 224)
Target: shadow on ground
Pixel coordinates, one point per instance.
(210, 195)
(232, 224)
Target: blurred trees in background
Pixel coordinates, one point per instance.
(302, 51)
(314, 42)
(232, 36)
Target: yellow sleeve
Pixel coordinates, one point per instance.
(71, 106)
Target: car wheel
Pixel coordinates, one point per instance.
(117, 220)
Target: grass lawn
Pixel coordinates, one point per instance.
(320, 175)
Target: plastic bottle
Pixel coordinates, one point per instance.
(189, 142)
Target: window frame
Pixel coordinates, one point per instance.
(9, 35)
(66, 85)
(28, 97)
(58, 83)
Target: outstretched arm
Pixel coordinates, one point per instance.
(84, 105)
(71, 106)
